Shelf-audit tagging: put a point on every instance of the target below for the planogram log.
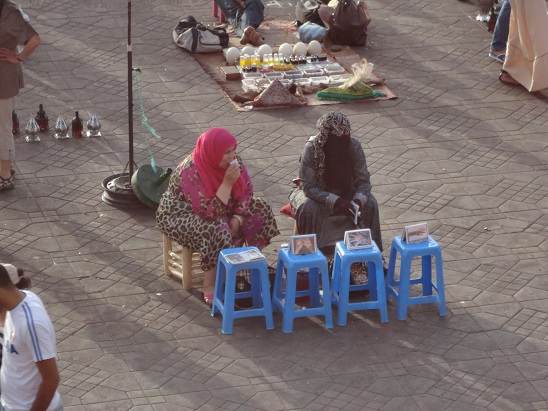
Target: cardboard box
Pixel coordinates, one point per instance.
(231, 73)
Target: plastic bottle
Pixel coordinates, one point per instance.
(77, 126)
(42, 118)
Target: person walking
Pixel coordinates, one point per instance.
(526, 61)
(29, 376)
(14, 31)
(500, 32)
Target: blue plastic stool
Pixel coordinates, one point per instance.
(426, 250)
(225, 294)
(341, 287)
(285, 301)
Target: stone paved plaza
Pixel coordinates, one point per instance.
(456, 149)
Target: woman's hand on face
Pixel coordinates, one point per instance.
(234, 225)
(232, 174)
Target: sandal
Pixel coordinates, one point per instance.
(208, 299)
(506, 78)
(358, 274)
(499, 57)
(6, 183)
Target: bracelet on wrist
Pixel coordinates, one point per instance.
(18, 59)
(239, 218)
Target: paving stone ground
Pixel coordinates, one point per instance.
(457, 149)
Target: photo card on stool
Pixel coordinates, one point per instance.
(415, 233)
(357, 239)
(244, 256)
(303, 244)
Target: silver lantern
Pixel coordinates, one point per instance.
(94, 125)
(61, 128)
(32, 129)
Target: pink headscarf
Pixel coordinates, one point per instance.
(210, 149)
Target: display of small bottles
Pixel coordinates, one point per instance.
(15, 123)
(77, 126)
(42, 118)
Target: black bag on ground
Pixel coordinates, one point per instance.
(350, 23)
(185, 24)
(195, 37)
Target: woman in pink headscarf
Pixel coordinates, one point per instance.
(209, 204)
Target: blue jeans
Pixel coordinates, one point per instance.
(252, 15)
(502, 26)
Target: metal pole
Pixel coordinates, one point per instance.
(130, 89)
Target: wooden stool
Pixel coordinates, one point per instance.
(182, 263)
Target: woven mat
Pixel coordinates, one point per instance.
(276, 32)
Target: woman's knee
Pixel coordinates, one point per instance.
(308, 209)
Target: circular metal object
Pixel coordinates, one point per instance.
(118, 192)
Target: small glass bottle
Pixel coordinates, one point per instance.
(14, 122)
(257, 60)
(77, 126)
(42, 118)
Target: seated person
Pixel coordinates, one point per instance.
(309, 10)
(244, 16)
(333, 173)
(209, 204)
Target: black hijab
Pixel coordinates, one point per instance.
(332, 154)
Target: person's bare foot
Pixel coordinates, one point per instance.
(248, 32)
(506, 78)
(208, 298)
(256, 39)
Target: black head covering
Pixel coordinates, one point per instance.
(332, 153)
